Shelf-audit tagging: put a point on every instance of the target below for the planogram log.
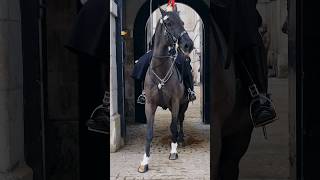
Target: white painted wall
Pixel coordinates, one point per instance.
(115, 125)
(11, 94)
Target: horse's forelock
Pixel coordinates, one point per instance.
(174, 16)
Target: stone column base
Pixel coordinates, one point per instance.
(116, 141)
(20, 172)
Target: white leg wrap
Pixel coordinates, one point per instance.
(174, 147)
(145, 160)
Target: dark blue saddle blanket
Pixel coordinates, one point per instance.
(142, 64)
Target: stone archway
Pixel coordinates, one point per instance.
(136, 18)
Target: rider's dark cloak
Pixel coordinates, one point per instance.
(246, 21)
(89, 34)
(239, 21)
(142, 64)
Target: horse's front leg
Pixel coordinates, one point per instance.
(150, 110)
(181, 117)
(180, 133)
(175, 128)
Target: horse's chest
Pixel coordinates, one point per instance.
(164, 98)
(161, 97)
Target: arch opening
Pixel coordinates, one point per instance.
(142, 33)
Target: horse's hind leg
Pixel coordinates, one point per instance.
(181, 117)
(150, 110)
(175, 128)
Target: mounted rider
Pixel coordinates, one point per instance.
(240, 21)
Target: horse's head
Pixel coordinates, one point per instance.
(175, 32)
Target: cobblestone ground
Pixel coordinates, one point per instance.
(265, 159)
(194, 158)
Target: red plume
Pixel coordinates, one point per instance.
(171, 3)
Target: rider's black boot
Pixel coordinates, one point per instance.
(100, 118)
(254, 66)
(191, 95)
(263, 112)
(142, 98)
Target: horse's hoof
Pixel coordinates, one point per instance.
(143, 168)
(173, 156)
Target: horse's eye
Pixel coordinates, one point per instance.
(169, 24)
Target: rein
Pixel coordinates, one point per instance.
(169, 72)
(175, 40)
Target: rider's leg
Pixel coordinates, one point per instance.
(188, 81)
(140, 74)
(255, 60)
(142, 98)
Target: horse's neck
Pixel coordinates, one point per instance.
(160, 65)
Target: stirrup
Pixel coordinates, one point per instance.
(257, 100)
(190, 92)
(254, 92)
(141, 98)
(99, 118)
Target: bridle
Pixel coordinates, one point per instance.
(172, 54)
(169, 73)
(171, 36)
(174, 40)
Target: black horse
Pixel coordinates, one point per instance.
(163, 82)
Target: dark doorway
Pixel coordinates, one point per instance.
(34, 85)
(60, 92)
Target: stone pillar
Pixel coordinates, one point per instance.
(129, 81)
(274, 13)
(116, 141)
(283, 42)
(12, 165)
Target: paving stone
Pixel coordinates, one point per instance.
(265, 160)
(194, 158)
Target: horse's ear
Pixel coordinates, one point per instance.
(163, 12)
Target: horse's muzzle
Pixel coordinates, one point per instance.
(186, 44)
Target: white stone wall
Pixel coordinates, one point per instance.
(115, 125)
(11, 87)
(194, 26)
(274, 14)
(11, 94)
